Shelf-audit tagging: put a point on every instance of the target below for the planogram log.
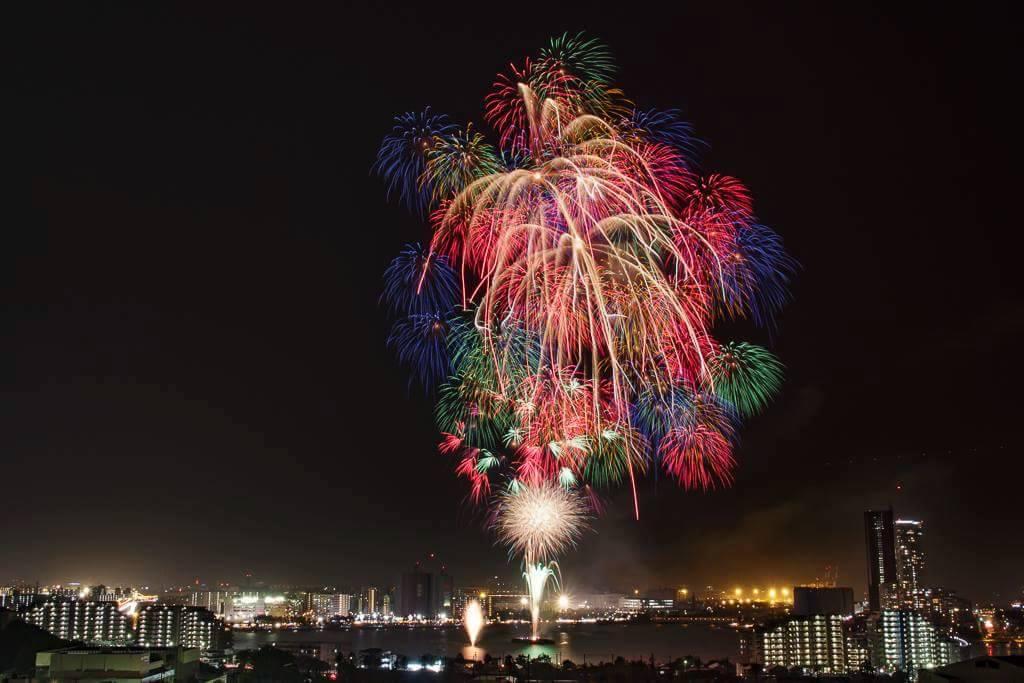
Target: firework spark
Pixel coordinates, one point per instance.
(746, 376)
(403, 155)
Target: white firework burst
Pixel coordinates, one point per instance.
(540, 521)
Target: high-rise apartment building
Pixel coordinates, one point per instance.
(904, 640)
(369, 601)
(177, 626)
(879, 537)
(341, 604)
(909, 537)
(85, 620)
(815, 643)
(320, 605)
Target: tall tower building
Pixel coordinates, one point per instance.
(444, 594)
(879, 537)
(341, 604)
(370, 601)
(910, 562)
(417, 594)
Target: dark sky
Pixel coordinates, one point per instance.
(196, 381)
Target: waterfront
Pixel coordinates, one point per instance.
(578, 642)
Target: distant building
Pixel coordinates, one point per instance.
(661, 594)
(277, 607)
(68, 592)
(445, 598)
(85, 620)
(417, 597)
(101, 593)
(946, 606)
(635, 604)
(599, 601)
(909, 538)
(245, 607)
(341, 604)
(811, 600)
(503, 600)
(686, 598)
(815, 644)
(630, 603)
(20, 599)
(879, 538)
(463, 596)
(370, 601)
(904, 640)
(216, 601)
(178, 626)
(321, 605)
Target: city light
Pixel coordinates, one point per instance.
(567, 325)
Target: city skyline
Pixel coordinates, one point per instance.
(894, 548)
(200, 378)
(903, 586)
(903, 624)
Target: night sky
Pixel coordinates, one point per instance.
(196, 382)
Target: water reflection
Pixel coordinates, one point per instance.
(473, 653)
(581, 643)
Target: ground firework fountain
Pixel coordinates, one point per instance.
(473, 619)
(537, 576)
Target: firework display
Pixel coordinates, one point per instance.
(563, 309)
